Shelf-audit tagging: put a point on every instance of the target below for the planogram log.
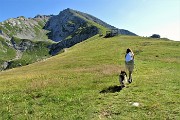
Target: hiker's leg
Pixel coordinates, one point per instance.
(130, 77)
(131, 71)
(130, 74)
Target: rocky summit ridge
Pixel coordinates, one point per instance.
(55, 27)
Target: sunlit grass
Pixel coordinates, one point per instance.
(68, 86)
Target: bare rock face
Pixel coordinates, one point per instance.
(23, 44)
(64, 25)
(87, 33)
(4, 65)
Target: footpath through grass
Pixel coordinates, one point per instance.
(81, 83)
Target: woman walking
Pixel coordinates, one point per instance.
(129, 63)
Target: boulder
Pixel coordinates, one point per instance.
(155, 36)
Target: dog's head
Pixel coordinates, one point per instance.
(123, 73)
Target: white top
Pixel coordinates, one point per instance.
(129, 57)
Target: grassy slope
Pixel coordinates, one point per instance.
(68, 85)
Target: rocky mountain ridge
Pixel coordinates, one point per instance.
(55, 27)
(24, 28)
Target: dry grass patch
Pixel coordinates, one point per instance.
(103, 69)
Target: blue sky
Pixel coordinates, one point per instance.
(143, 17)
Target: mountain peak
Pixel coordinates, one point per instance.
(43, 16)
(66, 11)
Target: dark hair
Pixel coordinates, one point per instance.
(128, 50)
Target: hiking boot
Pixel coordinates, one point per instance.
(130, 80)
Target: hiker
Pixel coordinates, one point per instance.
(129, 63)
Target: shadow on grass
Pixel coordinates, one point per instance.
(112, 89)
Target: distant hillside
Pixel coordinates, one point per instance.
(55, 32)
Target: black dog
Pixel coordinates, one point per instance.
(122, 76)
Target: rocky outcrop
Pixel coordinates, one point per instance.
(155, 36)
(4, 65)
(22, 45)
(83, 35)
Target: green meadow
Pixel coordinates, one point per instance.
(81, 83)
